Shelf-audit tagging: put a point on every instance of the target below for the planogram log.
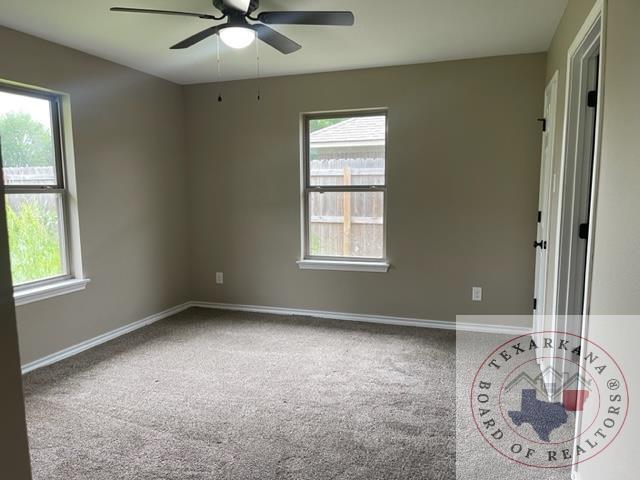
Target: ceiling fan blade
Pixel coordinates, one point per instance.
(275, 39)
(198, 37)
(307, 18)
(163, 12)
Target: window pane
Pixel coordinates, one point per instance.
(347, 151)
(28, 155)
(34, 223)
(361, 235)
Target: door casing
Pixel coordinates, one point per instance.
(580, 160)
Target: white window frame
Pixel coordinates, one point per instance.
(316, 262)
(72, 279)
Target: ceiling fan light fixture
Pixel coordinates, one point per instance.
(237, 37)
(239, 33)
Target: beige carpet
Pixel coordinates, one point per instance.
(220, 395)
(475, 458)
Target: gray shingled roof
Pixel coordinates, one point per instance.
(352, 130)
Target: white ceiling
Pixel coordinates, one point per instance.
(387, 32)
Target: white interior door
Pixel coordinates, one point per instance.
(544, 212)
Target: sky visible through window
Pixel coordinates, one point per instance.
(37, 108)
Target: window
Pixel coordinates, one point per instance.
(36, 195)
(344, 191)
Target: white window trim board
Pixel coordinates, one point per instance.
(49, 290)
(347, 266)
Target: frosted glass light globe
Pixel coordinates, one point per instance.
(237, 37)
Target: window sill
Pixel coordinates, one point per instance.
(42, 292)
(347, 266)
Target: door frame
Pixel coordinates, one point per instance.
(599, 13)
(574, 130)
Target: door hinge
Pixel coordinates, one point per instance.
(535, 303)
(542, 244)
(583, 231)
(544, 124)
(539, 216)
(592, 99)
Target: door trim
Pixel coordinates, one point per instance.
(593, 29)
(600, 13)
(573, 134)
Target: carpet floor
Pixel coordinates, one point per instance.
(228, 395)
(475, 459)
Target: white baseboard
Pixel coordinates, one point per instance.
(353, 317)
(105, 337)
(358, 317)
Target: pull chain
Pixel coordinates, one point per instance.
(258, 63)
(219, 66)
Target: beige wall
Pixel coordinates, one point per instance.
(14, 454)
(129, 156)
(463, 164)
(616, 267)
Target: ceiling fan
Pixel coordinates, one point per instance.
(237, 32)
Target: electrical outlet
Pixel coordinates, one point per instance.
(476, 294)
(219, 277)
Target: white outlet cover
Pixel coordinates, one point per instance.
(476, 294)
(219, 277)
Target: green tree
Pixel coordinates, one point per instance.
(33, 242)
(319, 123)
(25, 142)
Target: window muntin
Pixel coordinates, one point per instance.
(345, 186)
(35, 194)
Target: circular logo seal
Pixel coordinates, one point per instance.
(549, 399)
